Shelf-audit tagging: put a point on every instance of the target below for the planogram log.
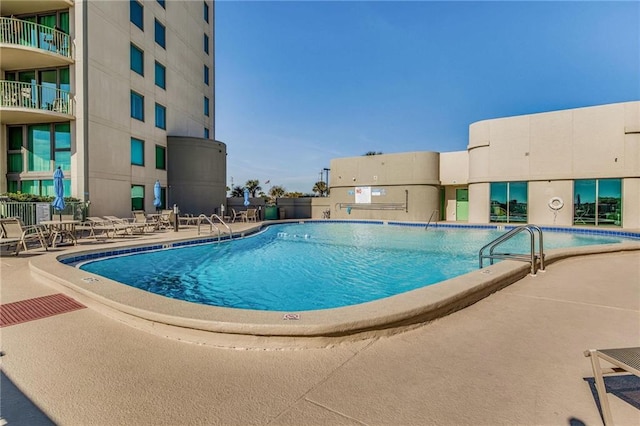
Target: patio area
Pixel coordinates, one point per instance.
(515, 357)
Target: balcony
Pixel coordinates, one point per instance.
(21, 7)
(26, 45)
(34, 103)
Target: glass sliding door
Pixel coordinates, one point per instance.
(39, 148)
(597, 202)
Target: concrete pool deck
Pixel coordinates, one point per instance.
(515, 357)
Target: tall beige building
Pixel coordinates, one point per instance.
(119, 94)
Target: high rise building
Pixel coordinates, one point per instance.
(119, 94)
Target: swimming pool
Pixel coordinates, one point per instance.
(318, 265)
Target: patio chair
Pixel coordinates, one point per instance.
(14, 232)
(627, 359)
(238, 215)
(251, 215)
(108, 228)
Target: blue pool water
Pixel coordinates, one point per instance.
(297, 267)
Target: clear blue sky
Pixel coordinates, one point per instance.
(299, 83)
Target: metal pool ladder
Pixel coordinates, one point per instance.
(213, 225)
(533, 258)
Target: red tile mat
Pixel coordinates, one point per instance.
(37, 308)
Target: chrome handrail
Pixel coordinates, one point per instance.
(211, 225)
(215, 216)
(531, 257)
(431, 217)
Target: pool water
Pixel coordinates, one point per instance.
(298, 267)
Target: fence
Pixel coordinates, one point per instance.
(32, 213)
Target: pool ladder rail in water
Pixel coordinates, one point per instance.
(533, 258)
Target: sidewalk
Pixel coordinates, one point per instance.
(515, 357)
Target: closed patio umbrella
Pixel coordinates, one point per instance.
(157, 191)
(246, 197)
(58, 190)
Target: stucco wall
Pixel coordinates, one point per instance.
(550, 151)
(404, 186)
(197, 174)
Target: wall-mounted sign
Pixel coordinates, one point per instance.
(378, 192)
(363, 195)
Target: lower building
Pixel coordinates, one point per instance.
(572, 167)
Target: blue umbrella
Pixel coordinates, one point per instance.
(246, 197)
(156, 193)
(58, 190)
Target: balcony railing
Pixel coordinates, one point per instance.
(14, 94)
(29, 34)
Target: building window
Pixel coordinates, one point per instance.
(137, 60)
(137, 152)
(137, 106)
(597, 202)
(206, 106)
(160, 34)
(161, 2)
(161, 116)
(136, 14)
(161, 157)
(206, 13)
(206, 75)
(508, 202)
(206, 133)
(206, 44)
(14, 154)
(161, 75)
(137, 197)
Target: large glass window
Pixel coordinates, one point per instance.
(161, 116)
(137, 152)
(137, 197)
(597, 202)
(137, 106)
(161, 157)
(136, 14)
(160, 34)
(162, 3)
(137, 59)
(14, 158)
(39, 148)
(161, 75)
(62, 146)
(508, 202)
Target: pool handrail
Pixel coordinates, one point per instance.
(215, 216)
(531, 258)
(211, 225)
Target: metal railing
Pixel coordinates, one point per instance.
(532, 257)
(435, 212)
(14, 94)
(211, 220)
(29, 34)
(31, 213)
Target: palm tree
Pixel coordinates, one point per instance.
(253, 185)
(237, 191)
(277, 191)
(320, 187)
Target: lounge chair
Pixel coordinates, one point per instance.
(108, 228)
(132, 226)
(14, 232)
(627, 359)
(140, 218)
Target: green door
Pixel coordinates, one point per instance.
(462, 204)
